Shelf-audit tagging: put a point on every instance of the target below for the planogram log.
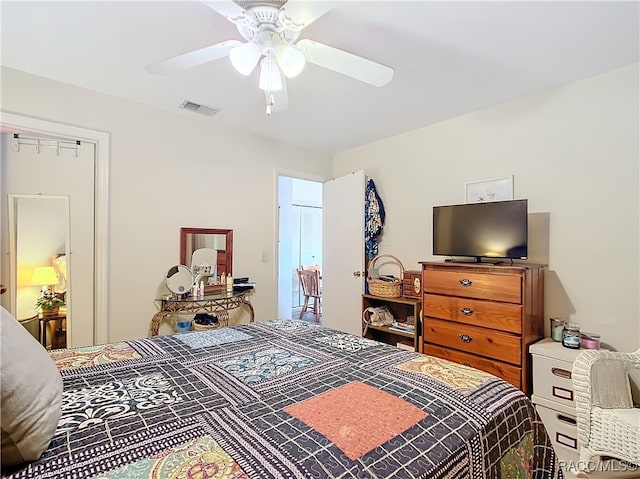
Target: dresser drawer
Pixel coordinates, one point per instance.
(505, 371)
(487, 314)
(552, 380)
(471, 284)
(472, 339)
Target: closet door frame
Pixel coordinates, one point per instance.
(101, 199)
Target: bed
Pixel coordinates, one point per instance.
(284, 399)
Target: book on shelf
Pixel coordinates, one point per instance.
(404, 327)
(406, 347)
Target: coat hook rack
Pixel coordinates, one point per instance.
(53, 143)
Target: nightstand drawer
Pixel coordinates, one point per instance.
(486, 314)
(562, 431)
(505, 371)
(470, 284)
(472, 339)
(552, 380)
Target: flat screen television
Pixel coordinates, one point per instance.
(494, 230)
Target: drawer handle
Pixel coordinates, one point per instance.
(562, 393)
(466, 282)
(566, 440)
(563, 373)
(466, 338)
(466, 311)
(566, 419)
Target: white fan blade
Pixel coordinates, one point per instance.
(228, 9)
(192, 59)
(280, 99)
(303, 13)
(346, 63)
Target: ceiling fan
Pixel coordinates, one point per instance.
(271, 29)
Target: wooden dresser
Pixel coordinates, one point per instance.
(484, 316)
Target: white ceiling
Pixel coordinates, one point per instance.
(450, 58)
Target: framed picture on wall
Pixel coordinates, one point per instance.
(499, 189)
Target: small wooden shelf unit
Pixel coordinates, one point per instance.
(401, 308)
(484, 316)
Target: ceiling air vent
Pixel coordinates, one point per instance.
(203, 110)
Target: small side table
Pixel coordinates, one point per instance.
(55, 324)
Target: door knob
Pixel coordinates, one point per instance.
(357, 274)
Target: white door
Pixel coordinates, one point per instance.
(343, 252)
(62, 174)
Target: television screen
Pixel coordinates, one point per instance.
(481, 230)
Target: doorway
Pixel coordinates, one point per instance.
(95, 329)
(299, 239)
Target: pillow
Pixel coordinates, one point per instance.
(31, 394)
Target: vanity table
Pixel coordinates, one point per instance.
(217, 246)
(220, 303)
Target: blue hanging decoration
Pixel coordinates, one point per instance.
(373, 219)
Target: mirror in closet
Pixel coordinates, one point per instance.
(38, 243)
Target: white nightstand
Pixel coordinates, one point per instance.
(553, 395)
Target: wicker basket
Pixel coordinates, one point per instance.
(204, 327)
(385, 289)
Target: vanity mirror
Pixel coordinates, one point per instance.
(208, 252)
(179, 279)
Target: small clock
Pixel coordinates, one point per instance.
(412, 284)
(416, 285)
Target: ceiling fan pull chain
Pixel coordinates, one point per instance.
(270, 103)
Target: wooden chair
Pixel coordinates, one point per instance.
(310, 284)
(312, 267)
(315, 267)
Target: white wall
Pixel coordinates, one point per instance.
(307, 193)
(574, 153)
(169, 170)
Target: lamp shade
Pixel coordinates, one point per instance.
(44, 276)
(290, 59)
(244, 58)
(270, 79)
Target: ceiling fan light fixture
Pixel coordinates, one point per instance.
(270, 79)
(290, 59)
(244, 58)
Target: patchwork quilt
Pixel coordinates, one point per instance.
(285, 399)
